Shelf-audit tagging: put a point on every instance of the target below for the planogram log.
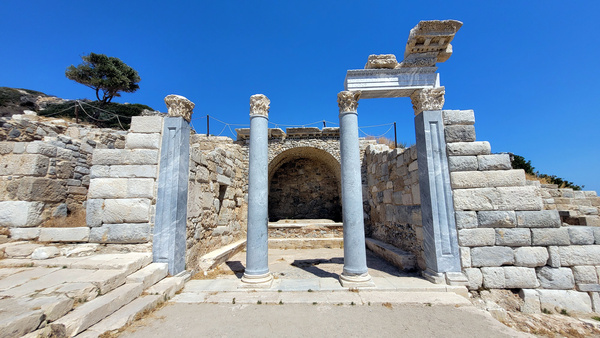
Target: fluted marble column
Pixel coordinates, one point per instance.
(257, 249)
(437, 209)
(355, 273)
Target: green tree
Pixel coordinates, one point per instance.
(105, 74)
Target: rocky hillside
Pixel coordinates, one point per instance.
(15, 101)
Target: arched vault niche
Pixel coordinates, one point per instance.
(304, 183)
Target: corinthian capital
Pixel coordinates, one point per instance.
(179, 106)
(428, 99)
(259, 105)
(348, 101)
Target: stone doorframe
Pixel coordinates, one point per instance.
(416, 77)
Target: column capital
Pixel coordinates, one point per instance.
(179, 106)
(348, 101)
(428, 99)
(259, 105)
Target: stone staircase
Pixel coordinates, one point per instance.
(84, 296)
(305, 234)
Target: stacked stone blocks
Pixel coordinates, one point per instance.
(392, 192)
(121, 199)
(507, 239)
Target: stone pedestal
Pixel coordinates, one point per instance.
(355, 273)
(439, 228)
(257, 273)
(171, 204)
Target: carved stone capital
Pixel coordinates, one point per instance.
(259, 105)
(428, 99)
(179, 106)
(348, 101)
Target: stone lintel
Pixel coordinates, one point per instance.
(400, 82)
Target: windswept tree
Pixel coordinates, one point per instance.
(107, 75)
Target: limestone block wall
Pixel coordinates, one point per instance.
(44, 176)
(392, 192)
(507, 239)
(122, 193)
(574, 207)
(217, 195)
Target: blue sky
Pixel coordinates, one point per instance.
(528, 69)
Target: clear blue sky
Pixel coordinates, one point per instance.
(529, 69)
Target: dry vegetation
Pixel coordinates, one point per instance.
(73, 220)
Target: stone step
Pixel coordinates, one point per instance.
(95, 310)
(152, 297)
(403, 260)
(214, 258)
(149, 275)
(305, 243)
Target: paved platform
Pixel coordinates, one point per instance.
(311, 276)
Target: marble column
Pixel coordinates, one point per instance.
(355, 273)
(168, 243)
(440, 239)
(257, 249)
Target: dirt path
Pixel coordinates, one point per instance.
(179, 320)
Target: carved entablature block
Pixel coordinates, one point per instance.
(179, 106)
(432, 37)
(428, 99)
(348, 101)
(382, 61)
(259, 105)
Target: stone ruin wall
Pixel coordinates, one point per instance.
(392, 194)
(217, 196)
(510, 236)
(45, 169)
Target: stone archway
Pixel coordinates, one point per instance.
(304, 183)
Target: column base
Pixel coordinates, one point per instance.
(434, 277)
(263, 281)
(357, 281)
(448, 278)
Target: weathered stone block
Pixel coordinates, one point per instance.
(538, 219)
(142, 141)
(585, 274)
(556, 278)
(80, 234)
(581, 235)
(6, 147)
(476, 237)
(28, 233)
(494, 162)
(492, 256)
(134, 210)
(485, 179)
(519, 278)
(121, 233)
(459, 133)
(94, 210)
(501, 198)
(39, 147)
(24, 164)
(531, 301)
(551, 236)
(554, 259)
(493, 278)
(42, 189)
(467, 219)
(496, 219)
(465, 257)
(513, 237)
(579, 255)
(557, 300)
(469, 148)
(125, 156)
(531, 257)
(462, 163)
(146, 124)
(121, 188)
(458, 117)
(20, 213)
(475, 278)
